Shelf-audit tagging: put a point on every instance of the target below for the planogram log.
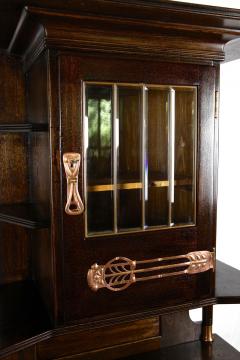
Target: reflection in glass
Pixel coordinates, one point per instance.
(185, 135)
(157, 205)
(99, 157)
(129, 156)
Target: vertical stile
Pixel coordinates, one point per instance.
(171, 153)
(194, 106)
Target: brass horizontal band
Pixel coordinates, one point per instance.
(119, 273)
(137, 185)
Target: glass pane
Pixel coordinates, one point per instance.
(135, 137)
(99, 158)
(129, 157)
(157, 205)
(100, 211)
(185, 135)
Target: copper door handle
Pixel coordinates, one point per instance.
(120, 272)
(74, 204)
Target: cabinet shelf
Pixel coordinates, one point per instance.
(26, 215)
(137, 185)
(197, 350)
(25, 128)
(22, 314)
(227, 284)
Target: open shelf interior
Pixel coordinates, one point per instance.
(197, 350)
(24, 127)
(22, 314)
(26, 215)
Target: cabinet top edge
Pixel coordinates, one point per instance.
(185, 32)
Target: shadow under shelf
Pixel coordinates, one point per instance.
(24, 127)
(26, 215)
(22, 314)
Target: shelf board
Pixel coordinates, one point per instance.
(227, 290)
(22, 314)
(137, 185)
(26, 215)
(197, 350)
(25, 127)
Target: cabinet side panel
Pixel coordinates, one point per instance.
(12, 101)
(40, 189)
(14, 242)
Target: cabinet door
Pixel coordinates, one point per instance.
(145, 133)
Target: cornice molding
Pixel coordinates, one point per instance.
(165, 30)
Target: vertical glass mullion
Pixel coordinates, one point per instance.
(144, 165)
(171, 153)
(115, 155)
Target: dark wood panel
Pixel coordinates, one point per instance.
(227, 284)
(40, 187)
(26, 215)
(11, 357)
(178, 328)
(26, 354)
(14, 244)
(22, 314)
(84, 341)
(118, 351)
(218, 350)
(15, 253)
(25, 128)
(12, 101)
(37, 96)
(42, 267)
(13, 168)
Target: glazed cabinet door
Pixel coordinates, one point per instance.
(138, 225)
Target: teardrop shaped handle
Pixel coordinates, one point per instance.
(74, 204)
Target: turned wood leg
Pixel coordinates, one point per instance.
(207, 335)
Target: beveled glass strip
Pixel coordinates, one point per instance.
(115, 156)
(85, 147)
(171, 152)
(144, 167)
